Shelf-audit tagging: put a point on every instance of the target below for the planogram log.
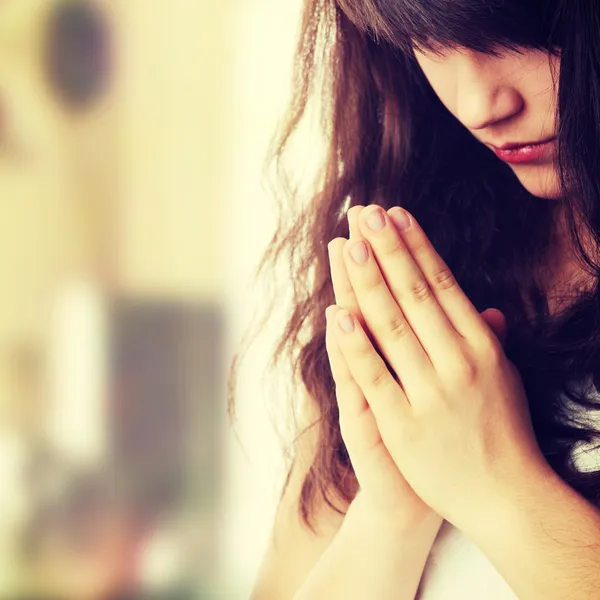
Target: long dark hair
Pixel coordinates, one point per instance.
(390, 141)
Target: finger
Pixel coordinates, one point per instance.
(385, 397)
(353, 214)
(410, 287)
(373, 465)
(385, 320)
(342, 288)
(357, 423)
(459, 310)
(496, 322)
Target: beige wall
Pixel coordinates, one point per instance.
(45, 233)
(128, 197)
(139, 196)
(45, 228)
(175, 135)
(132, 194)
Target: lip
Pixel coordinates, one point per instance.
(515, 145)
(528, 152)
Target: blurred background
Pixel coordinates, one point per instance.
(132, 215)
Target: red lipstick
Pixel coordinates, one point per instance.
(522, 153)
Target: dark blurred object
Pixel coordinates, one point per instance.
(165, 402)
(77, 52)
(167, 413)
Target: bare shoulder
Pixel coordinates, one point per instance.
(294, 549)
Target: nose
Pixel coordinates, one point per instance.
(484, 98)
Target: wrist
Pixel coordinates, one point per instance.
(423, 523)
(507, 498)
(373, 555)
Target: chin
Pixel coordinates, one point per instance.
(542, 183)
(547, 194)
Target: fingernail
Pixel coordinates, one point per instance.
(400, 218)
(359, 253)
(345, 321)
(376, 220)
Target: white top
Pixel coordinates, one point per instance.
(457, 570)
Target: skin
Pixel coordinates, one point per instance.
(456, 424)
(452, 438)
(513, 98)
(383, 486)
(497, 99)
(453, 375)
(509, 98)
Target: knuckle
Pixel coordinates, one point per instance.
(398, 327)
(420, 290)
(490, 351)
(390, 248)
(374, 284)
(418, 248)
(443, 279)
(378, 379)
(464, 372)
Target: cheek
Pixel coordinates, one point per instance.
(443, 82)
(539, 85)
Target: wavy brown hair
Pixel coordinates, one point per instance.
(390, 141)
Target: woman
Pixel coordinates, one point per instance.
(440, 454)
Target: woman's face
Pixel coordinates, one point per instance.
(509, 99)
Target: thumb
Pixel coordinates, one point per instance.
(496, 322)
